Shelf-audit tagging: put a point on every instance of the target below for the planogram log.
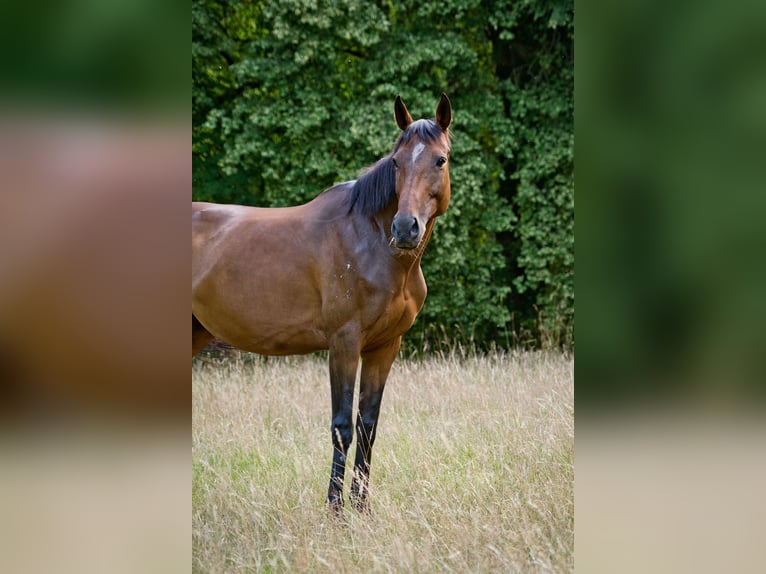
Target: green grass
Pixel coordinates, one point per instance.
(472, 469)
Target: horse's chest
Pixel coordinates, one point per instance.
(381, 302)
(402, 320)
(395, 311)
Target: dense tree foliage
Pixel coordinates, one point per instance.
(291, 97)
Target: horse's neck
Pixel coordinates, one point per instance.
(426, 238)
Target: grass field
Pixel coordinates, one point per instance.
(473, 468)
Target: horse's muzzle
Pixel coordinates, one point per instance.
(405, 231)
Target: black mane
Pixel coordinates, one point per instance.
(376, 187)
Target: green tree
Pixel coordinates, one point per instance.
(533, 45)
(292, 97)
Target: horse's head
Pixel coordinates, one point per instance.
(421, 160)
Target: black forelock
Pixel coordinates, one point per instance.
(426, 131)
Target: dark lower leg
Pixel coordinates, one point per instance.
(365, 436)
(343, 365)
(375, 367)
(341, 440)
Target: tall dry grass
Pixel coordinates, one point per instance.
(472, 469)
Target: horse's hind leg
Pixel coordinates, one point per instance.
(375, 367)
(200, 336)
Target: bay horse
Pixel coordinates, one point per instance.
(339, 273)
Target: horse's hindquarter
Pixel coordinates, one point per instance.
(254, 282)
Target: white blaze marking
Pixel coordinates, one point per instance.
(417, 151)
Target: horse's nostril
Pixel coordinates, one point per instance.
(414, 229)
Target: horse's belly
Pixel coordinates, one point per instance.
(284, 341)
(260, 333)
(271, 314)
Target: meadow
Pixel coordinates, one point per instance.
(473, 467)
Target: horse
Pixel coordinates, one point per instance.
(340, 273)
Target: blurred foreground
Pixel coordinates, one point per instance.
(95, 500)
(671, 279)
(667, 492)
(95, 178)
(94, 264)
(94, 370)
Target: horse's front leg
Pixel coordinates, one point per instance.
(344, 360)
(376, 365)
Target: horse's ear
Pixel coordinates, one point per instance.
(403, 117)
(444, 112)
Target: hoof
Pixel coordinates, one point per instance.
(361, 505)
(335, 508)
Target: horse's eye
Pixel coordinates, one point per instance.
(396, 163)
(441, 161)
